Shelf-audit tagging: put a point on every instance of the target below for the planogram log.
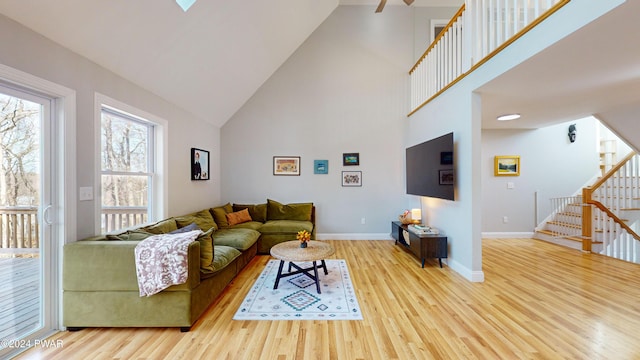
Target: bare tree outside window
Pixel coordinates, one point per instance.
(126, 170)
(20, 178)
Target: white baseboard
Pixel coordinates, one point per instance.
(503, 235)
(354, 236)
(473, 276)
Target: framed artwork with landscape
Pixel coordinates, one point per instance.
(199, 164)
(286, 165)
(507, 165)
(350, 159)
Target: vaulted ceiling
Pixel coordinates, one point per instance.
(209, 60)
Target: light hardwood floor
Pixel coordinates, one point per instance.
(538, 301)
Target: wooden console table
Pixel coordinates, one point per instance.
(421, 245)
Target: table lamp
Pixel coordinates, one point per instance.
(416, 216)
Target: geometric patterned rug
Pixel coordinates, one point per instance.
(296, 297)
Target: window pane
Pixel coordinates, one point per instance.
(124, 201)
(124, 144)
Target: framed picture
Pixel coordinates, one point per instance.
(320, 166)
(199, 164)
(446, 158)
(446, 177)
(508, 165)
(286, 165)
(352, 178)
(350, 159)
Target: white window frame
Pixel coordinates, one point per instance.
(159, 186)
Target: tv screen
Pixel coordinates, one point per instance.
(430, 168)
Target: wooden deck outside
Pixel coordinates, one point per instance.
(19, 297)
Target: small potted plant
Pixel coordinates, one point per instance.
(304, 236)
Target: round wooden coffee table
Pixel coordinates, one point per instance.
(292, 252)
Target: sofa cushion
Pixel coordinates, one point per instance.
(253, 225)
(238, 217)
(220, 215)
(294, 211)
(206, 248)
(258, 212)
(131, 235)
(222, 256)
(237, 238)
(162, 227)
(202, 218)
(286, 227)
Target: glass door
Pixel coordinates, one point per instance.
(26, 219)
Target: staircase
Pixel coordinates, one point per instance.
(605, 219)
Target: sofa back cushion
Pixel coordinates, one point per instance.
(202, 218)
(162, 227)
(220, 215)
(294, 211)
(258, 212)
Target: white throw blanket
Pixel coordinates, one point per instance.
(161, 261)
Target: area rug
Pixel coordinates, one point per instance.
(297, 299)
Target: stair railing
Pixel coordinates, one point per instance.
(609, 197)
(565, 217)
(477, 32)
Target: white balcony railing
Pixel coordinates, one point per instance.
(122, 217)
(480, 29)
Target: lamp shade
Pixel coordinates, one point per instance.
(416, 215)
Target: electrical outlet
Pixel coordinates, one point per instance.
(363, 221)
(505, 219)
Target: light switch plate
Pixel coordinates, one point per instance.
(86, 193)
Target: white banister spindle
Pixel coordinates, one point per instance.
(477, 30)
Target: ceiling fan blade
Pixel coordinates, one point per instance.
(408, 2)
(381, 6)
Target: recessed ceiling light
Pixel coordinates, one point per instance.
(508, 117)
(185, 4)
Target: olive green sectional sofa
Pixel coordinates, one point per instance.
(100, 287)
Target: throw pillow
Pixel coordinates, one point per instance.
(294, 211)
(220, 215)
(206, 248)
(258, 212)
(238, 217)
(202, 218)
(190, 227)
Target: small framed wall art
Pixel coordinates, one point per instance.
(199, 164)
(507, 165)
(286, 165)
(351, 178)
(320, 166)
(446, 177)
(350, 159)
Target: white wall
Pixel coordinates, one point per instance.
(551, 166)
(34, 54)
(344, 90)
(459, 110)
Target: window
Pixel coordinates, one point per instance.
(128, 169)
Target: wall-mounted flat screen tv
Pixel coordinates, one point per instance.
(430, 168)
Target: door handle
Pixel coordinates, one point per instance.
(45, 215)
